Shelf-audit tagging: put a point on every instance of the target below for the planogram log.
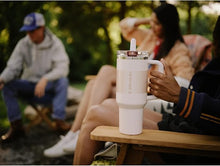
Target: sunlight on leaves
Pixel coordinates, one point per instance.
(54, 23)
(114, 31)
(69, 40)
(98, 8)
(4, 35)
(58, 10)
(101, 33)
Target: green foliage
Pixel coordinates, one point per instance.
(80, 85)
(90, 29)
(4, 123)
(103, 162)
(91, 44)
(198, 26)
(200, 23)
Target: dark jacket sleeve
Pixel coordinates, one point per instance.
(199, 108)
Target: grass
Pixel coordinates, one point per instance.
(79, 85)
(3, 114)
(104, 162)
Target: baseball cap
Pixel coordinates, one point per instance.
(32, 21)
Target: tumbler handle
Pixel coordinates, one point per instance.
(160, 69)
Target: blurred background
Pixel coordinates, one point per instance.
(91, 35)
(90, 29)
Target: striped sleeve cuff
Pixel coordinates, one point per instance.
(184, 107)
(210, 118)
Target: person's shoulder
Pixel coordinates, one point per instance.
(53, 37)
(23, 41)
(180, 46)
(179, 49)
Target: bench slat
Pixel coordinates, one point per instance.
(158, 138)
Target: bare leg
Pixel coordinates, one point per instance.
(97, 115)
(151, 119)
(96, 92)
(104, 84)
(83, 106)
(103, 114)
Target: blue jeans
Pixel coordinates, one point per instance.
(55, 94)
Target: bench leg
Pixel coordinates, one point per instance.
(122, 154)
(129, 155)
(154, 158)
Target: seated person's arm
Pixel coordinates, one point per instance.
(129, 29)
(164, 86)
(198, 107)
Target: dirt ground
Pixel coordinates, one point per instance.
(29, 150)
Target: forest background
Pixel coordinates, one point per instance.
(91, 35)
(90, 29)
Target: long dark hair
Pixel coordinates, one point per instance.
(169, 18)
(216, 38)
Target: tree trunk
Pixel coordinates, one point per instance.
(121, 14)
(189, 31)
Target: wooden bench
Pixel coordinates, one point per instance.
(89, 77)
(134, 148)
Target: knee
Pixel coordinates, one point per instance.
(96, 113)
(63, 82)
(107, 70)
(91, 120)
(93, 114)
(109, 102)
(90, 83)
(8, 88)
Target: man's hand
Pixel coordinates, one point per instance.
(40, 87)
(164, 86)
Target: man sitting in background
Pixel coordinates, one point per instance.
(43, 61)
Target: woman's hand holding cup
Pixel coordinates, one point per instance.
(164, 85)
